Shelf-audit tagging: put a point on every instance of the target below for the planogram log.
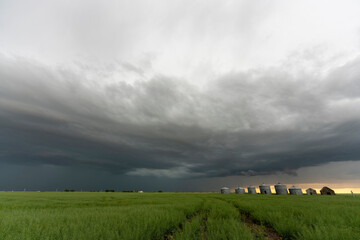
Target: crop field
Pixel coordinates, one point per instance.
(51, 215)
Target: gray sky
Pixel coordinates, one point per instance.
(178, 95)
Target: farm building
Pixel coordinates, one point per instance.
(281, 189)
(311, 191)
(265, 189)
(225, 190)
(240, 190)
(251, 190)
(327, 191)
(295, 191)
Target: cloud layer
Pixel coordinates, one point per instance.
(243, 123)
(179, 90)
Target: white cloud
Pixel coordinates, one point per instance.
(193, 40)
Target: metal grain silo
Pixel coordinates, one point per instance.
(225, 190)
(295, 191)
(240, 190)
(265, 189)
(251, 190)
(280, 189)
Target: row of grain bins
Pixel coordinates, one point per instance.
(280, 189)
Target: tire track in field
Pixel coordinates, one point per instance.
(170, 235)
(203, 213)
(258, 230)
(204, 231)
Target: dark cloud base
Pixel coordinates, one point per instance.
(246, 123)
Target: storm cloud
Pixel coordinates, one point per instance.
(164, 96)
(252, 122)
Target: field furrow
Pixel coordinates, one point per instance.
(188, 226)
(191, 229)
(258, 230)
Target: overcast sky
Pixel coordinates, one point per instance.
(179, 95)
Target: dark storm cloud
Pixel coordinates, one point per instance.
(257, 122)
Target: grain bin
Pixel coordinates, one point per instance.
(265, 189)
(280, 189)
(240, 190)
(295, 191)
(225, 190)
(251, 190)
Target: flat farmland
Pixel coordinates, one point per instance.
(76, 215)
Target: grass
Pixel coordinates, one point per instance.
(216, 220)
(305, 217)
(51, 215)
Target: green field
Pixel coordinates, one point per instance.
(51, 215)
